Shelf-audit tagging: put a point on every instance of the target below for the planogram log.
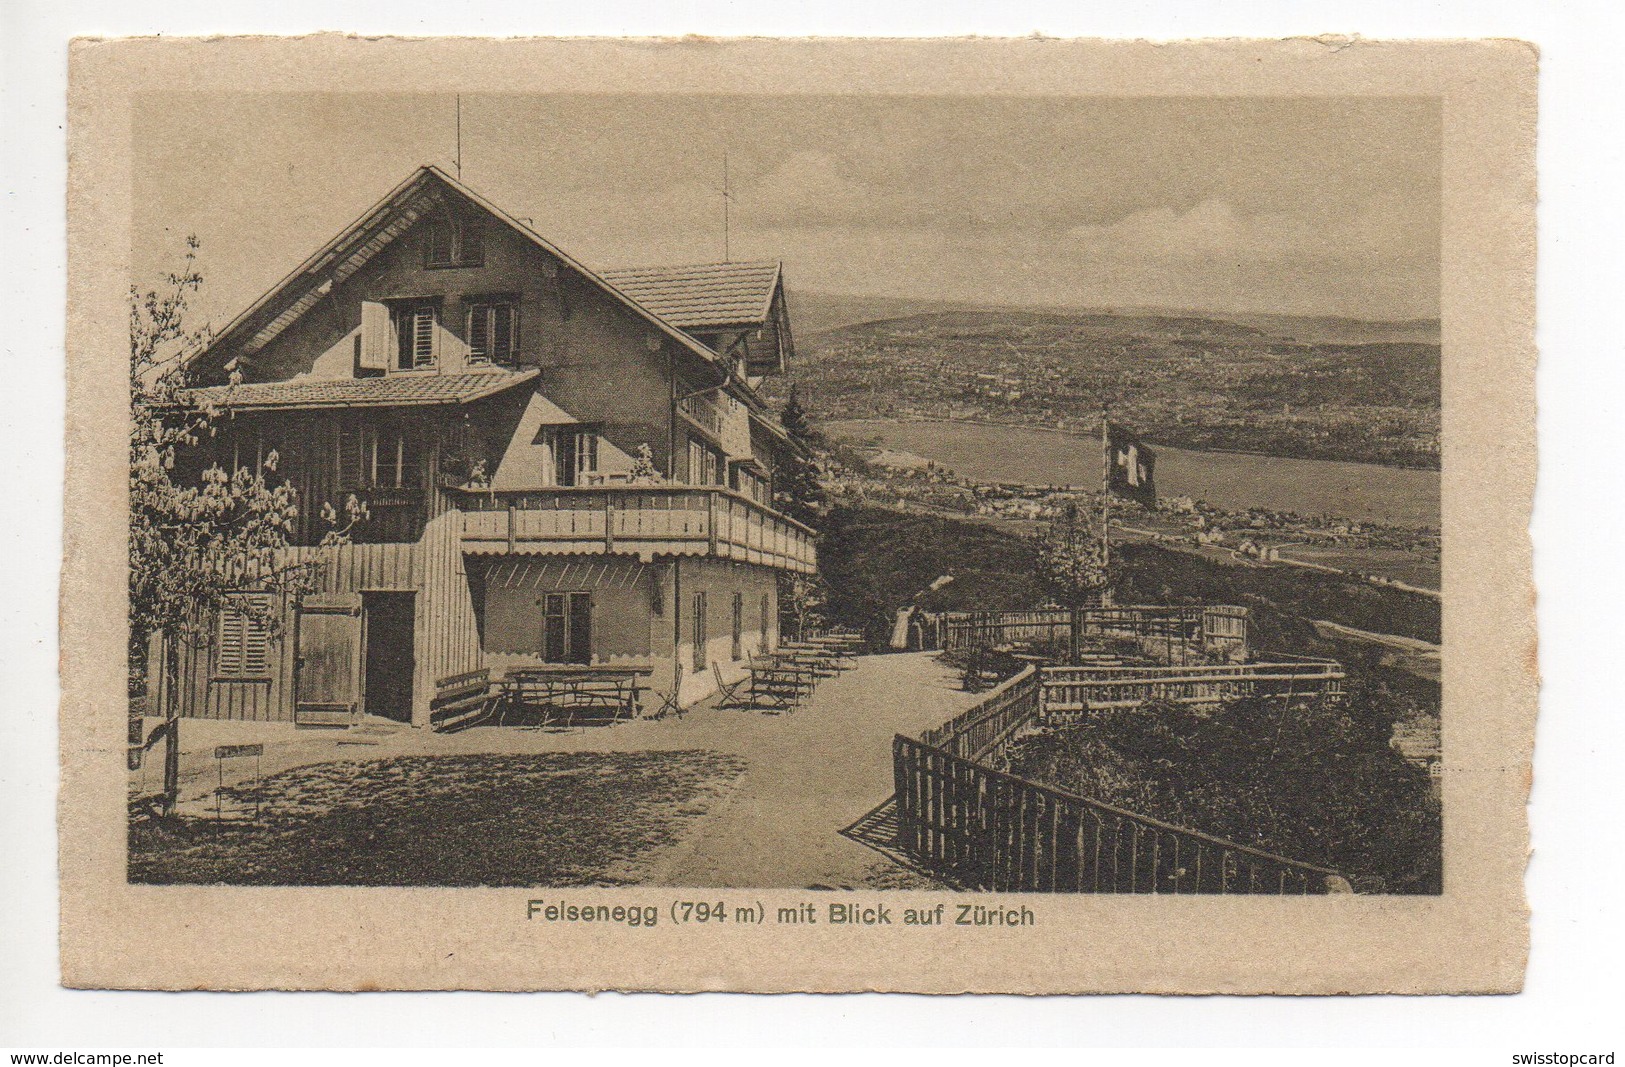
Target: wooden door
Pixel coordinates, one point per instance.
(327, 682)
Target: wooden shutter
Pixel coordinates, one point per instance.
(480, 322)
(244, 648)
(423, 322)
(505, 334)
(438, 242)
(375, 336)
(470, 243)
(580, 628)
(228, 658)
(699, 635)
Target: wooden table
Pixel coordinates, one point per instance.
(780, 682)
(842, 655)
(819, 661)
(568, 688)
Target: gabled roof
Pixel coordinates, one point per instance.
(396, 390)
(702, 296)
(419, 194)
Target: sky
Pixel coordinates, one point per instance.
(1320, 206)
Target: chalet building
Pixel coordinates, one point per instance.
(560, 465)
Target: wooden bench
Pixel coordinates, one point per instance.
(461, 699)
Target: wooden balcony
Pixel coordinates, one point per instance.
(645, 521)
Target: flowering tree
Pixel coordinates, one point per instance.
(195, 541)
(801, 599)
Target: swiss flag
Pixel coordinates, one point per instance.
(1133, 466)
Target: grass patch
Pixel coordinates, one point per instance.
(546, 820)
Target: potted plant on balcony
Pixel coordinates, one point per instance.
(463, 470)
(644, 471)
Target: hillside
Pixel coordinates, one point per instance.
(1180, 380)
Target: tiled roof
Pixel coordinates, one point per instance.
(400, 390)
(701, 295)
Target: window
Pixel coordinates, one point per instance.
(705, 465)
(396, 463)
(415, 340)
(567, 627)
(372, 457)
(739, 626)
(753, 485)
(575, 455)
(250, 450)
(244, 648)
(451, 241)
(700, 660)
(493, 332)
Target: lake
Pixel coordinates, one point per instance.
(1032, 456)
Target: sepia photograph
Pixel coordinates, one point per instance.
(815, 492)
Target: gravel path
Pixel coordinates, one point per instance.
(811, 773)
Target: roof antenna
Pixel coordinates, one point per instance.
(726, 196)
(459, 136)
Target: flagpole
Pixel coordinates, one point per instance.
(1105, 489)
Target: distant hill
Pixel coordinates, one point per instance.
(1319, 388)
(816, 312)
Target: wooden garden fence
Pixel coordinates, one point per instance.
(986, 829)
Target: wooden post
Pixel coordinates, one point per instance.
(172, 724)
(1105, 492)
(609, 523)
(711, 523)
(512, 509)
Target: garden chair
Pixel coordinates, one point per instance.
(728, 695)
(668, 705)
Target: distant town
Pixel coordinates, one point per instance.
(1370, 400)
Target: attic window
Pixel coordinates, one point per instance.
(453, 241)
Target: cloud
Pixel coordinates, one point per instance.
(809, 187)
(1214, 229)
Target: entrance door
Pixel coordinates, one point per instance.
(328, 667)
(387, 626)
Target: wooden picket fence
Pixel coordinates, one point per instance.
(986, 829)
(994, 721)
(1070, 692)
(1172, 634)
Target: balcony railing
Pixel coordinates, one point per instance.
(725, 420)
(645, 521)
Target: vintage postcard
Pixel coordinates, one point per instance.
(1021, 516)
